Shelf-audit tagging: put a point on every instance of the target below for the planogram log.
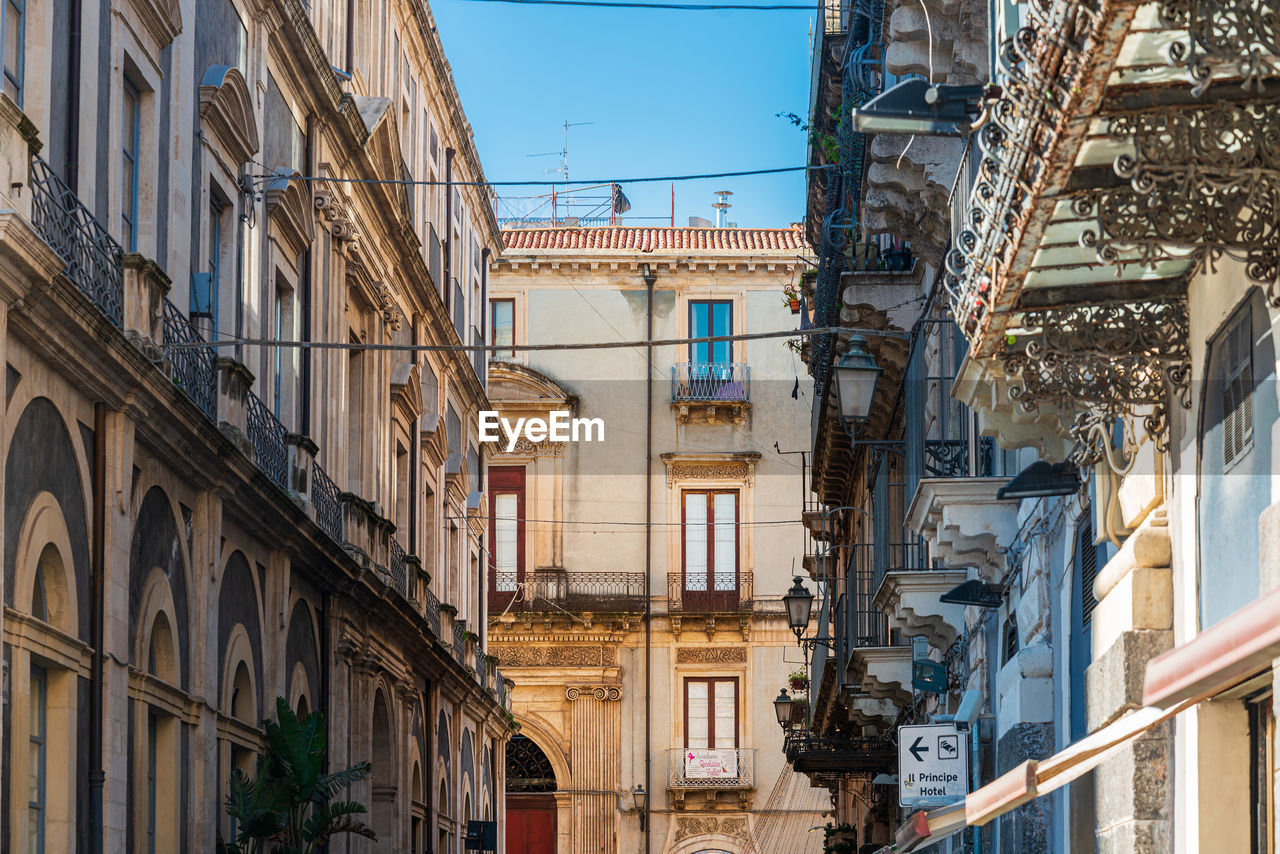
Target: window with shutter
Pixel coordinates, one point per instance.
(1237, 389)
(1087, 567)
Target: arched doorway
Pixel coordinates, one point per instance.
(531, 804)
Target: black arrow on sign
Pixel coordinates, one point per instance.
(915, 749)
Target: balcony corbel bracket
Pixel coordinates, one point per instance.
(1119, 361)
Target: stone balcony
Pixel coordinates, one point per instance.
(964, 523)
(883, 671)
(911, 599)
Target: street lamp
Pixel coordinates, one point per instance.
(799, 604)
(782, 707)
(641, 798)
(856, 376)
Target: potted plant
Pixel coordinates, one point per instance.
(791, 297)
(799, 680)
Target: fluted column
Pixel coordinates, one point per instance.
(596, 755)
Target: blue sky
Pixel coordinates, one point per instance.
(667, 92)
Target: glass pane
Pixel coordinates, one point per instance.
(695, 541)
(696, 713)
(726, 541)
(720, 325)
(726, 702)
(700, 327)
(505, 547)
(503, 324)
(12, 39)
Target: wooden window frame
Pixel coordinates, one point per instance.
(715, 599)
(693, 331)
(506, 480)
(737, 710)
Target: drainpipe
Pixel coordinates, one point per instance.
(72, 154)
(649, 280)
(448, 229)
(97, 562)
(304, 307)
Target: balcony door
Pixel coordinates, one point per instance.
(710, 529)
(711, 360)
(711, 713)
(506, 535)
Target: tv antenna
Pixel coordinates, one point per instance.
(563, 153)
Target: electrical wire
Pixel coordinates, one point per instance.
(506, 348)
(542, 183)
(741, 524)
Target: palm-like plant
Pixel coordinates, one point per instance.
(288, 808)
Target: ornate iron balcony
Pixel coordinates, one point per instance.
(715, 593)
(721, 382)
(708, 769)
(431, 610)
(324, 495)
(862, 755)
(268, 437)
(194, 370)
(92, 255)
(561, 590)
(396, 567)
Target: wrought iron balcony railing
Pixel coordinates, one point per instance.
(268, 437)
(460, 641)
(722, 382)
(863, 755)
(324, 495)
(478, 356)
(482, 673)
(396, 567)
(703, 593)
(706, 769)
(556, 590)
(459, 308)
(431, 611)
(92, 255)
(194, 370)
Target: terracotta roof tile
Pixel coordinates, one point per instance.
(655, 239)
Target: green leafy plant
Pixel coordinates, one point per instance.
(288, 808)
(828, 144)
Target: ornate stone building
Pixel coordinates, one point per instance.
(190, 533)
(635, 582)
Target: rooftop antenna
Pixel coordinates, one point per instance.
(722, 207)
(564, 153)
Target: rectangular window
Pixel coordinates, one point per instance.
(277, 354)
(1262, 737)
(506, 533)
(502, 314)
(709, 318)
(711, 713)
(13, 40)
(153, 745)
(1237, 392)
(710, 550)
(38, 727)
(132, 130)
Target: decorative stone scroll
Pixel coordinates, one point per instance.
(711, 655)
(696, 825)
(512, 655)
(708, 471)
(526, 448)
(600, 692)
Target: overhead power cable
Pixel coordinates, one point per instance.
(676, 7)
(507, 348)
(273, 176)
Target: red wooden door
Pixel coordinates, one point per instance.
(531, 824)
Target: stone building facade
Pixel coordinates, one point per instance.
(636, 602)
(193, 532)
(1115, 288)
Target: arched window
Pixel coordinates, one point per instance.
(384, 770)
(300, 706)
(158, 782)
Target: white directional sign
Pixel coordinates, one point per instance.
(933, 765)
